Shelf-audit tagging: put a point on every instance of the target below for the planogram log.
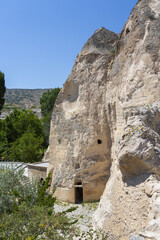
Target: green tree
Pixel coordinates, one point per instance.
(21, 137)
(47, 102)
(2, 90)
(27, 148)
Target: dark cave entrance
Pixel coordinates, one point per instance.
(99, 141)
(78, 192)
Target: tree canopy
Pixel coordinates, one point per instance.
(2, 90)
(21, 137)
(47, 102)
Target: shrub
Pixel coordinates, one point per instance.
(15, 189)
(32, 222)
(27, 209)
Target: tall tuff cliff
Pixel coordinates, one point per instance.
(132, 195)
(105, 128)
(80, 145)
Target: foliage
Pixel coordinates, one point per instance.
(46, 126)
(44, 198)
(21, 137)
(2, 90)
(26, 209)
(35, 223)
(47, 102)
(27, 148)
(15, 189)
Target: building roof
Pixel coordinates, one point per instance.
(39, 165)
(14, 165)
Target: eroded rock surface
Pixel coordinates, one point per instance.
(80, 141)
(105, 128)
(133, 88)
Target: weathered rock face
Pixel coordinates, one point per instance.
(80, 141)
(106, 128)
(133, 88)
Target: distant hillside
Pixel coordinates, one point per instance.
(25, 98)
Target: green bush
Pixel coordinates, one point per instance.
(15, 189)
(31, 222)
(27, 209)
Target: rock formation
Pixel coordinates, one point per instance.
(130, 200)
(105, 128)
(80, 141)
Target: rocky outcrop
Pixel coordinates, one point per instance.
(105, 128)
(133, 88)
(80, 142)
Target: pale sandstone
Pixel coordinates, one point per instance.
(128, 205)
(114, 101)
(80, 145)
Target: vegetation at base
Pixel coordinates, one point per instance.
(29, 223)
(47, 102)
(27, 209)
(21, 137)
(2, 90)
(15, 189)
(91, 204)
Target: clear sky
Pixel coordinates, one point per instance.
(40, 39)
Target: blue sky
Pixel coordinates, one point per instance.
(40, 39)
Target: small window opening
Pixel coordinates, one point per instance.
(127, 31)
(99, 141)
(59, 141)
(77, 166)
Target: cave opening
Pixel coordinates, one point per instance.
(78, 192)
(99, 141)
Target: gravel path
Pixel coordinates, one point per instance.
(83, 213)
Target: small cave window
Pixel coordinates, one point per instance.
(127, 31)
(99, 141)
(77, 166)
(59, 141)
